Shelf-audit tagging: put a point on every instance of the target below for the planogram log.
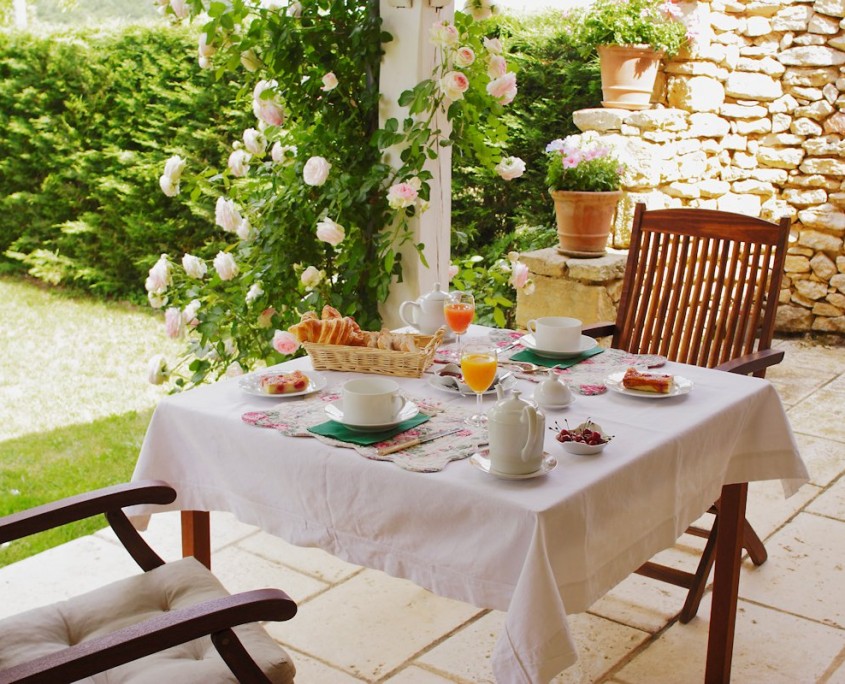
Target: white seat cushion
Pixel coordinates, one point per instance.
(174, 585)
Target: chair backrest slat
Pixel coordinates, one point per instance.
(701, 286)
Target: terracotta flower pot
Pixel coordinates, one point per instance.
(628, 73)
(584, 221)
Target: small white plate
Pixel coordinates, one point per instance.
(679, 386)
(334, 411)
(585, 344)
(483, 464)
(463, 389)
(554, 407)
(251, 384)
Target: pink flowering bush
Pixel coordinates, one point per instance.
(582, 163)
(305, 211)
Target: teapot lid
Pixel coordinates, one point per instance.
(509, 408)
(435, 295)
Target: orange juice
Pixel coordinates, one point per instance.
(479, 370)
(459, 316)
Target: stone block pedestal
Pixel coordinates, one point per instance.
(588, 289)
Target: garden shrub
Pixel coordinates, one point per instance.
(86, 119)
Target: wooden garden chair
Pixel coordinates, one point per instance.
(172, 623)
(701, 287)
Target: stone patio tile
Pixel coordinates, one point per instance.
(466, 656)
(417, 675)
(310, 671)
(805, 573)
(642, 603)
(768, 509)
(311, 561)
(832, 502)
(241, 570)
(73, 568)
(825, 458)
(371, 624)
(770, 648)
(795, 383)
(164, 533)
(822, 415)
(813, 354)
(837, 675)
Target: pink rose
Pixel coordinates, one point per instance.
(265, 318)
(454, 84)
(464, 57)
(316, 171)
(180, 8)
(510, 168)
(173, 324)
(497, 66)
(224, 264)
(284, 342)
(401, 195)
(519, 275)
(329, 82)
(503, 89)
(239, 163)
(311, 277)
(443, 34)
(265, 106)
(331, 232)
(453, 271)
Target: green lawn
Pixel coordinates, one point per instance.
(74, 398)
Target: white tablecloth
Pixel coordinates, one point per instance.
(538, 549)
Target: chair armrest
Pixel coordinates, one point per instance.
(755, 362)
(151, 636)
(81, 506)
(602, 329)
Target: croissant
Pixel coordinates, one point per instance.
(333, 329)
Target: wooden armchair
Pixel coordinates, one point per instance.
(172, 623)
(701, 287)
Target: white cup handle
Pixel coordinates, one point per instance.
(398, 403)
(409, 319)
(531, 326)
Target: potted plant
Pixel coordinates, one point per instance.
(584, 178)
(631, 37)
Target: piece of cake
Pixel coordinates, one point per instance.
(285, 383)
(647, 382)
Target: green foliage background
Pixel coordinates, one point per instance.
(86, 122)
(88, 117)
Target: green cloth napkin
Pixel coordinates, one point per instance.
(528, 355)
(339, 431)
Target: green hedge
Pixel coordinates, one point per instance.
(87, 120)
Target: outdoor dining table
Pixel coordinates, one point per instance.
(540, 548)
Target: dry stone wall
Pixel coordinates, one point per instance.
(752, 120)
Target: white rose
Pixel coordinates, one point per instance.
(224, 264)
(493, 46)
(331, 232)
(255, 291)
(250, 61)
(157, 371)
(173, 167)
(168, 187)
(510, 168)
(227, 216)
(316, 171)
(329, 82)
(481, 9)
(159, 277)
(245, 231)
(295, 9)
(283, 154)
(189, 314)
(157, 301)
(239, 163)
(267, 107)
(234, 369)
(180, 8)
(443, 34)
(254, 141)
(497, 66)
(454, 84)
(194, 266)
(311, 277)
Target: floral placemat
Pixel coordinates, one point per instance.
(294, 418)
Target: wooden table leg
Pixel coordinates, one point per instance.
(196, 536)
(726, 583)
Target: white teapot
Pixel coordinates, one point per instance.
(426, 313)
(516, 432)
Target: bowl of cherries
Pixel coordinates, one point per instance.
(586, 438)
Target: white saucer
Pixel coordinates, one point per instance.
(585, 344)
(334, 410)
(679, 386)
(251, 384)
(483, 464)
(554, 407)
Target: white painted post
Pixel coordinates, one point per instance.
(408, 59)
(19, 7)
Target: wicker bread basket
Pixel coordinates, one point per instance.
(382, 361)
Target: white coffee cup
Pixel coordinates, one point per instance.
(371, 401)
(556, 333)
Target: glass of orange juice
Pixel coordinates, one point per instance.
(458, 310)
(478, 366)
